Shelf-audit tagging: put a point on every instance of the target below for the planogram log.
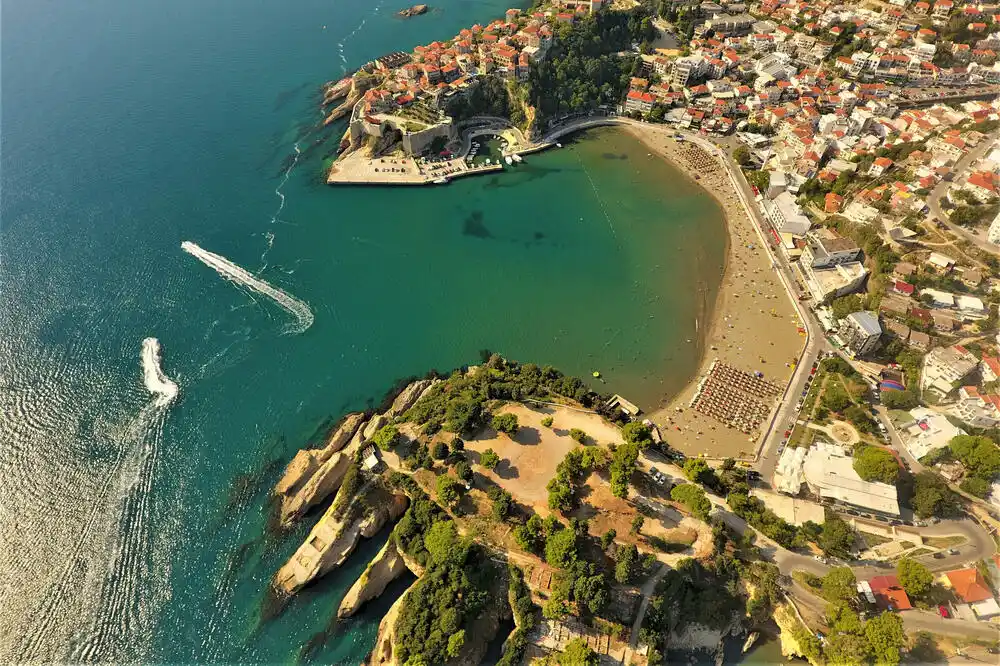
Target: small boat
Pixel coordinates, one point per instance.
(516, 157)
(597, 375)
(558, 145)
(508, 160)
(440, 181)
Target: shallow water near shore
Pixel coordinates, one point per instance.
(136, 531)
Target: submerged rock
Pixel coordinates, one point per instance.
(334, 539)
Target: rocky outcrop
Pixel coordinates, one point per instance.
(387, 566)
(373, 426)
(785, 618)
(339, 438)
(315, 473)
(701, 638)
(334, 539)
(383, 654)
(408, 397)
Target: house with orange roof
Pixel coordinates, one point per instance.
(889, 594)
(970, 586)
(833, 203)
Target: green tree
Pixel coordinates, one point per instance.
(441, 541)
(489, 459)
(608, 538)
(457, 445)
(692, 497)
(439, 450)
(529, 536)
(455, 643)
(742, 156)
(578, 435)
(931, 496)
(561, 493)
(623, 463)
(547, 421)
(978, 454)
(592, 591)
(637, 433)
(977, 486)
(875, 464)
(501, 502)
(839, 586)
(846, 649)
(463, 471)
(505, 423)
(626, 564)
(578, 653)
(837, 537)
(915, 578)
(448, 489)
(637, 523)
(886, 637)
(386, 437)
(560, 548)
(899, 399)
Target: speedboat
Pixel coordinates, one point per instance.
(516, 157)
(440, 181)
(508, 160)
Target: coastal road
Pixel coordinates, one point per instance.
(939, 191)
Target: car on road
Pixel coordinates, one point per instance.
(943, 610)
(938, 555)
(953, 551)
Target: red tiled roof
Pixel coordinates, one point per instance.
(969, 585)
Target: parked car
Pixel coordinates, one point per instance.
(944, 612)
(953, 551)
(938, 555)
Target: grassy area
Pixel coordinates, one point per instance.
(944, 542)
(872, 540)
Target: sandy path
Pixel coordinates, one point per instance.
(754, 326)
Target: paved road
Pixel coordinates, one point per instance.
(934, 199)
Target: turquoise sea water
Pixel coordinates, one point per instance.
(137, 531)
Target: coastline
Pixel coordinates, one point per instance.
(752, 326)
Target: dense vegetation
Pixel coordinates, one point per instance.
(459, 404)
(623, 462)
(875, 464)
(582, 70)
(692, 497)
(931, 496)
(981, 459)
(575, 467)
(456, 587)
(519, 597)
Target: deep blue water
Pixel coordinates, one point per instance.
(134, 531)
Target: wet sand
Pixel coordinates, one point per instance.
(754, 325)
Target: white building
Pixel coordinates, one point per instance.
(976, 409)
(993, 235)
(825, 248)
(786, 216)
(928, 431)
(829, 473)
(946, 367)
(860, 332)
(836, 281)
(788, 477)
(687, 69)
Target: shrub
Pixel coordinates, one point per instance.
(692, 497)
(448, 489)
(608, 538)
(577, 653)
(489, 459)
(547, 421)
(501, 502)
(578, 435)
(386, 437)
(626, 564)
(505, 423)
(439, 450)
(457, 445)
(463, 471)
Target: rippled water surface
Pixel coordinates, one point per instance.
(150, 396)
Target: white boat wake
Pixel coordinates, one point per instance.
(158, 383)
(227, 269)
(116, 537)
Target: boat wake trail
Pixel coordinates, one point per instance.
(597, 195)
(269, 235)
(120, 519)
(227, 269)
(352, 33)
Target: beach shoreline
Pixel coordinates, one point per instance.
(752, 325)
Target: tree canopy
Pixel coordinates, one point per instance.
(875, 464)
(915, 578)
(692, 497)
(978, 454)
(505, 423)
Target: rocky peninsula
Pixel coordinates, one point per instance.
(512, 492)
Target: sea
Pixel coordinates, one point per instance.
(151, 394)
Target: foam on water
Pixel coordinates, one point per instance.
(227, 269)
(152, 374)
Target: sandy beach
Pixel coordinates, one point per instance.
(754, 325)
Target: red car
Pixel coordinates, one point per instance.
(944, 611)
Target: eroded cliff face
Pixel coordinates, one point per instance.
(386, 567)
(315, 473)
(333, 539)
(383, 654)
(784, 616)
